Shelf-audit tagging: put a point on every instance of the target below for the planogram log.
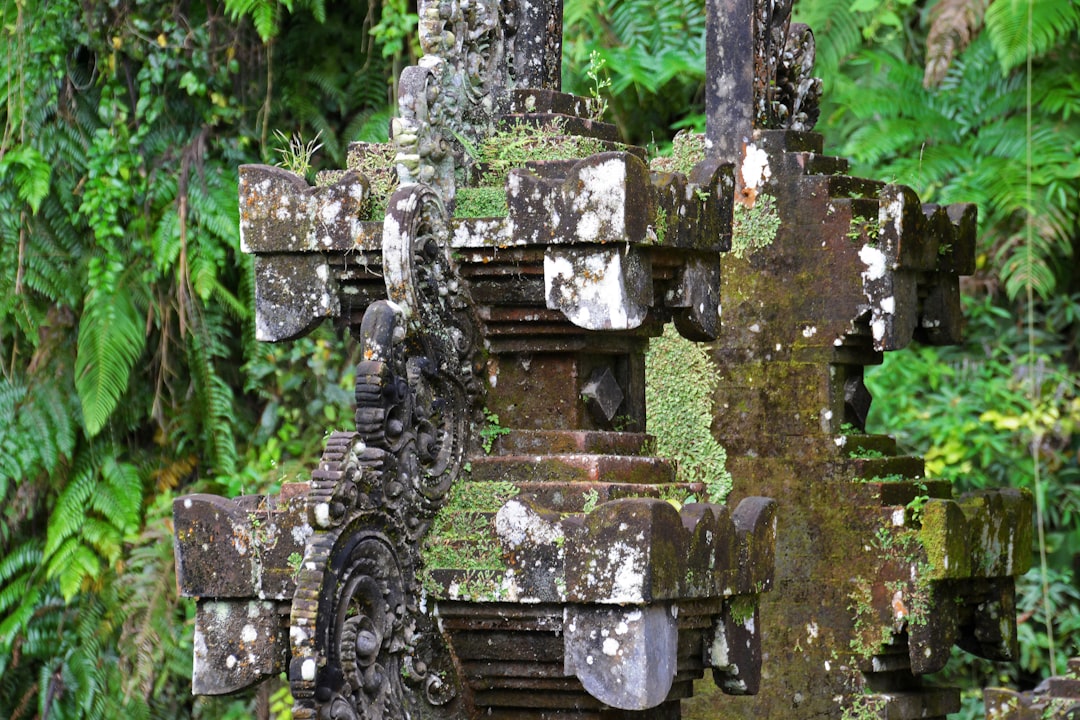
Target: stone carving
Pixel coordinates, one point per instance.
(888, 568)
(449, 100)
(546, 545)
(786, 95)
(495, 537)
(360, 648)
(1056, 698)
(760, 74)
(355, 626)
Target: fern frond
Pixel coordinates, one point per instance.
(67, 517)
(262, 13)
(214, 398)
(119, 496)
(102, 536)
(15, 623)
(111, 340)
(29, 173)
(1052, 22)
(836, 32)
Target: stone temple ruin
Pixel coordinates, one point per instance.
(496, 537)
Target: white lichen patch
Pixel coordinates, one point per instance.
(626, 565)
(875, 262)
(755, 168)
(599, 290)
(892, 213)
(601, 202)
(517, 524)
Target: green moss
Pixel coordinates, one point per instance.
(755, 227)
(680, 379)
(376, 162)
(661, 226)
(866, 453)
(687, 150)
(485, 201)
(461, 534)
(864, 707)
(742, 608)
(869, 633)
(890, 478)
(518, 144)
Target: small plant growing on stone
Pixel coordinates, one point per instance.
(883, 539)
(491, 431)
(917, 503)
(295, 153)
(600, 82)
(864, 707)
(296, 562)
(591, 498)
(865, 454)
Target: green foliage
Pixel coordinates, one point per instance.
(296, 154)
(491, 431)
(679, 383)
(976, 412)
(111, 339)
(652, 54)
(128, 369)
(1053, 23)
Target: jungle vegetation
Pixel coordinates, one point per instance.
(129, 373)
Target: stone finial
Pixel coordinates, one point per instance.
(758, 73)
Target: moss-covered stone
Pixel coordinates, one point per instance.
(680, 379)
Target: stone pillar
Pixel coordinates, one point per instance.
(880, 570)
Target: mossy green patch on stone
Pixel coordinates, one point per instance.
(754, 227)
(376, 162)
(484, 201)
(687, 150)
(679, 382)
(864, 707)
(742, 608)
(520, 143)
(461, 535)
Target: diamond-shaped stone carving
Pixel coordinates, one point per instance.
(602, 395)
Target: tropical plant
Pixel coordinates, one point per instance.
(128, 369)
(654, 53)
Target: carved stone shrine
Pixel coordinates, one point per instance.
(879, 569)
(496, 537)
